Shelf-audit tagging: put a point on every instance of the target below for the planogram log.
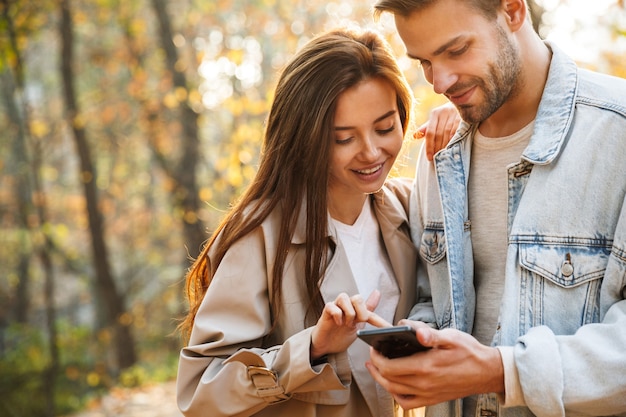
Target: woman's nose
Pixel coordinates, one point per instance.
(370, 149)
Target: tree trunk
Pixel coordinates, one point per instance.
(184, 172)
(23, 187)
(105, 285)
(18, 165)
(29, 185)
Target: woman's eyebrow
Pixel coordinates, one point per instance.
(378, 119)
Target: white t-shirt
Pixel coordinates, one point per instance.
(369, 261)
(488, 214)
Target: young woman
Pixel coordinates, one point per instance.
(280, 289)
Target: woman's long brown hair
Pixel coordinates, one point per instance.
(295, 156)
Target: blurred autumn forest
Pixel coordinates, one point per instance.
(127, 129)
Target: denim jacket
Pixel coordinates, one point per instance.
(563, 310)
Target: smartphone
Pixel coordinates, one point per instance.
(392, 342)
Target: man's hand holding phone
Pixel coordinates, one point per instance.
(393, 342)
(456, 365)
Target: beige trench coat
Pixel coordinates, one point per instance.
(233, 367)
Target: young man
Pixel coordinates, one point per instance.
(521, 223)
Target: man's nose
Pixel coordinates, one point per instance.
(442, 79)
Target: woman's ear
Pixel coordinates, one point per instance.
(515, 12)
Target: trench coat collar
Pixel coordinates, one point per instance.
(387, 208)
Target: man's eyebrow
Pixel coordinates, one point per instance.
(378, 119)
(441, 49)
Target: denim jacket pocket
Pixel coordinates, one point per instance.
(565, 266)
(433, 244)
(561, 285)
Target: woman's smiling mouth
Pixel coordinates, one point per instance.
(369, 171)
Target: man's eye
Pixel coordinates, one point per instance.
(459, 51)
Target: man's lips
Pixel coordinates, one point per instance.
(462, 98)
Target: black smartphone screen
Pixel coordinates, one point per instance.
(392, 342)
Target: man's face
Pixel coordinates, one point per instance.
(465, 56)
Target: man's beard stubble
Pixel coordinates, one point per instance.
(500, 85)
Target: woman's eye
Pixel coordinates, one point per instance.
(386, 131)
(343, 141)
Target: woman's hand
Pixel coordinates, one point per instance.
(439, 128)
(336, 328)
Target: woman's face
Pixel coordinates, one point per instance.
(367, 139)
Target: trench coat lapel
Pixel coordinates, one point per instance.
(402, 252)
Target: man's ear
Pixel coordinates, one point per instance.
(515, 13)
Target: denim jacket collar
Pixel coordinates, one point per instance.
(556, 110)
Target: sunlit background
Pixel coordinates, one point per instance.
(585, 29)
(118, 156)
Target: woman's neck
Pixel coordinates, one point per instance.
(348, 210)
